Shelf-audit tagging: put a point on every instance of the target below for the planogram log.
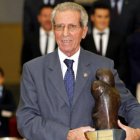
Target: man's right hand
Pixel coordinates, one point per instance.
(78, 133)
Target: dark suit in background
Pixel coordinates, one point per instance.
(129, 19)
(41, 40)
(116, 50)
(126, 23)
(134, 60)
(7, 103)
(113, 44)
(31, 47)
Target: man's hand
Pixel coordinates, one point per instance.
(131, 133)
(78, 133)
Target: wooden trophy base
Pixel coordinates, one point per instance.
(107, 134)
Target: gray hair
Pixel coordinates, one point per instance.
(71, 6)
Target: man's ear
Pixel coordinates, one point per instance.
(85, 30)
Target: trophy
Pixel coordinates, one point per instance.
(105, 112)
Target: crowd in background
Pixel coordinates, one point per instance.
(114, 32)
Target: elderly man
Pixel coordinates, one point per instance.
(56, 101)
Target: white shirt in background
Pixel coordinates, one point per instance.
(43, 39)
(105, 38)
(119, 5)
(51, 2)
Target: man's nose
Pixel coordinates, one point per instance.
(65, 31)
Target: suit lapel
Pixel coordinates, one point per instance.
(38, 43)
(91, 44)
(109, 45)
(94, 49)
(83, 73)
(55, 75)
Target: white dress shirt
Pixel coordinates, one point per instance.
(62, 57)
(119, 5)
(43, 39)
(105, 38)
(51, 2)
(1, 90)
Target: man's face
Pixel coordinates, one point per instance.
(68, 32)
(44, 18)
(101, 19)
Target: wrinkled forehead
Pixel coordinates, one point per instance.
(67, 16)
(67, 12)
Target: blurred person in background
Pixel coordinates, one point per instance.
(7, 106)
(125, 19)
(30, 12)
(125, 15)
(41, 41)
(104, 41)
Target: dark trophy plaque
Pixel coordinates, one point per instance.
(105, 112)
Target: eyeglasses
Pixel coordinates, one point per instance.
(71, 27)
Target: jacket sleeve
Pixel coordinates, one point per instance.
(130, 108)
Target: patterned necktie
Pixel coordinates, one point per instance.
(101, 43)
(69, 79)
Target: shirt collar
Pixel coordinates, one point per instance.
(113, 1)
(43, 32)
(96, 31)
(62, 56)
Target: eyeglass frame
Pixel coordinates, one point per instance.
(71, 27)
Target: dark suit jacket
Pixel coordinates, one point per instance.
(134, 60)
(44, 112)
(129, 19)
(116, 50)
(7, 102)
(31, 47)
(30, 12)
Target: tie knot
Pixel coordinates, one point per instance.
(47, 34)
(101, 33)
(69, 63)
